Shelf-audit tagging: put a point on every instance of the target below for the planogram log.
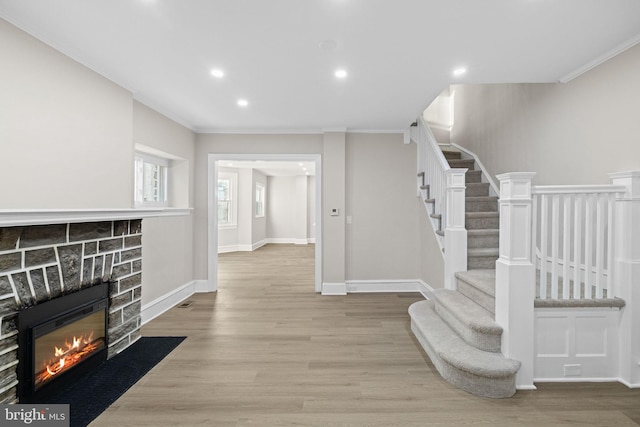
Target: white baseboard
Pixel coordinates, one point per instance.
(161, 304)
(369, 286)
(169, 300)
(241, 248)
(289, 240)
(334, 289)
(627, 383)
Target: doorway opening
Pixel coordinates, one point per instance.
(217, 164)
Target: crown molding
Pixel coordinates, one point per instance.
(627, 44)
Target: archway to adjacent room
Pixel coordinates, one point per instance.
(214, 162)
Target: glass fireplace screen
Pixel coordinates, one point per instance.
(59, 350)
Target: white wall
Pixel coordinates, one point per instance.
(167, 242)
(67, 139)
(259, 225)
(288, 203)
(383, 238)
(65, 131)
(573, 133)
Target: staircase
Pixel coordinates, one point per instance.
(457, 329)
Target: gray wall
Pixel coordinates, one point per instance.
(67, 139)
(382, 239)
(573, 133)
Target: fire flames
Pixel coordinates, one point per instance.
(68, 355)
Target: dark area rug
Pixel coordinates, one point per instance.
(105, 384)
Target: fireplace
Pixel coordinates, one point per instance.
(60, 340)
(64, 281)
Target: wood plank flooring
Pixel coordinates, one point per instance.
(266, 350)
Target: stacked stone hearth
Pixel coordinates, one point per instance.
(40, 263)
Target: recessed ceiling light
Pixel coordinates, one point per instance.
(327, 44)
(243, 103)
(217, 73)
(299, 164)
(341, 74)
(459, 71)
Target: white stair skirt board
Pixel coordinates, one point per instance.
(390, 286)
(169, 300)
(576, 344)
(334, 289)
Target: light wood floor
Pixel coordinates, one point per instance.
(267, 351)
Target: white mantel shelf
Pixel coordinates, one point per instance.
(22, 217)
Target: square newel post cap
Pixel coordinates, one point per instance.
(631, 180)
(515, 185)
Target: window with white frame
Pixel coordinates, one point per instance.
(260, 190)
(151, 174)
(227, 199)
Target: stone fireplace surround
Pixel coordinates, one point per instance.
(42, 262)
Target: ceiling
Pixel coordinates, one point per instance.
(281, 55)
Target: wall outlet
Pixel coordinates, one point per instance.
(572, 370)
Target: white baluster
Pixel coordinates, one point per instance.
(611, 203)
(544, 232)
(588, 246)
(566, 248)
(555, 237)
(577, 244)
(599, 245)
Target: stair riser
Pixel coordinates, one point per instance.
(482, 341)
(482, 223)
(481, 206)
(451, 155)
(477, 190)
(473, 176)
(463, 163)
(481, 262)
(485, 301)
(490, 241)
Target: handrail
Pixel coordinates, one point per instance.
(577, 189)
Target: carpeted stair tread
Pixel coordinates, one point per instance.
(483, 232)
(474, 324)
(573, 303)
(483, 252)
(482, 373)
(484, 280)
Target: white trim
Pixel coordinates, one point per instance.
(167, 301)
(287, 240)
(389, 286)
(235, 131)
(526, 387)
(334, 289)
(383, 131)
(485, 174)
(212, 232)
(628, 384)
(578, 380)
(601, 59)
(242, 248)
(18, 217)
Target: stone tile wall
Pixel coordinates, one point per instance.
(39, 263)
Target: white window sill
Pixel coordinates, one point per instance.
(21, 217)
(227, 227)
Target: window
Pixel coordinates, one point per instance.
(259, 200)
(151, 180)
(227, 199)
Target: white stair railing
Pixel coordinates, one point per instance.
(573, 239)
(446, 196)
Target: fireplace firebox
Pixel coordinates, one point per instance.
(60, 340)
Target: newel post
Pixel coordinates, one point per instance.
(627, 274)
(515, 274)
(455, 233)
